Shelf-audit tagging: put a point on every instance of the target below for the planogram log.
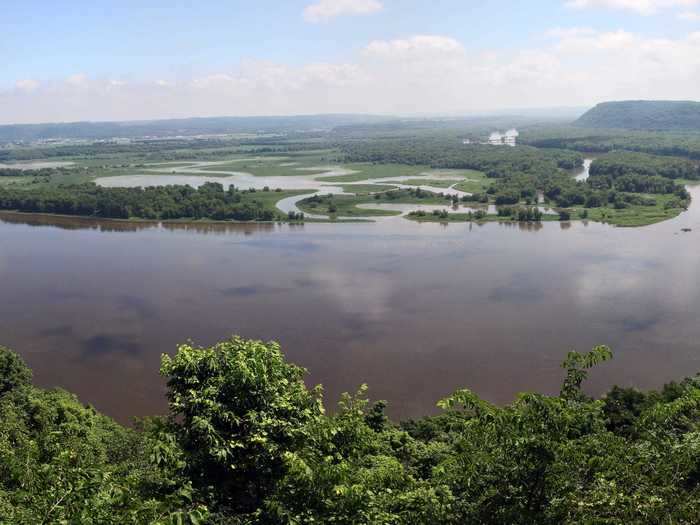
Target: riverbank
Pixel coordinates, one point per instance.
(155, 222)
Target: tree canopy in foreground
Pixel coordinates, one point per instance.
(246, 442)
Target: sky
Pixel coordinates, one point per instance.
(101, 60)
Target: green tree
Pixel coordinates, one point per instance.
(236, 410)
(14, 372)
(576, 366)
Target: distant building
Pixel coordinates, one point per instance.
(509, 138)
(496, 139)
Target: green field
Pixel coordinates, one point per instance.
(366, 189)
(366, 171)
(634, 215)
(4, 181)
(163, 165)
(343, 206)
(476, 182)
(69, 177)
(280, 165)
(269, 199)
(435, 183)
(417, 174)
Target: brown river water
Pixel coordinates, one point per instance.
(413, 310)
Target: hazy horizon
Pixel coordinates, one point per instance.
(535, 112)
(387, 57)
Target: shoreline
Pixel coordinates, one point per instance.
(156, 222)
(455, 218)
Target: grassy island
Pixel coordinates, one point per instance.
(347, 205)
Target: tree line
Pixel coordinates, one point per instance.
(159, 150)
(675, 144)
(209, 201)
(619, 163)
(448, 153)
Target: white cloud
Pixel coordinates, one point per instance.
(419, 45)
(324, 10)
(78, 79)
(689, 16)
(416, 74)
(569, 32)
(27, 84)
(368, 299)
(644, 7)
(208, 81)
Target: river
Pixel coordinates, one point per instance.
(414, 310)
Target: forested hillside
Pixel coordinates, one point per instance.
(644, 115)
(246, 442)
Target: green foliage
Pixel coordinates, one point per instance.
(13, 372)
(247, 442)
(518, 176)
(521, 214)
(625, 163)
(42, 172)
(444, 153)
(576, 366)
(61, 462)
(237, 409)
(676, 144)
(209, 201)
(346, 205)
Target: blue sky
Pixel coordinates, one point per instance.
(110, 53)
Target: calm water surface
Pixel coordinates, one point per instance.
(414, 310)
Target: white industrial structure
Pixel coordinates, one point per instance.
(509, 138)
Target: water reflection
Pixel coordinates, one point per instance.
(416, 310)
(522, 226)
(106, 225)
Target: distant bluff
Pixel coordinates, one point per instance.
(644, 115)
